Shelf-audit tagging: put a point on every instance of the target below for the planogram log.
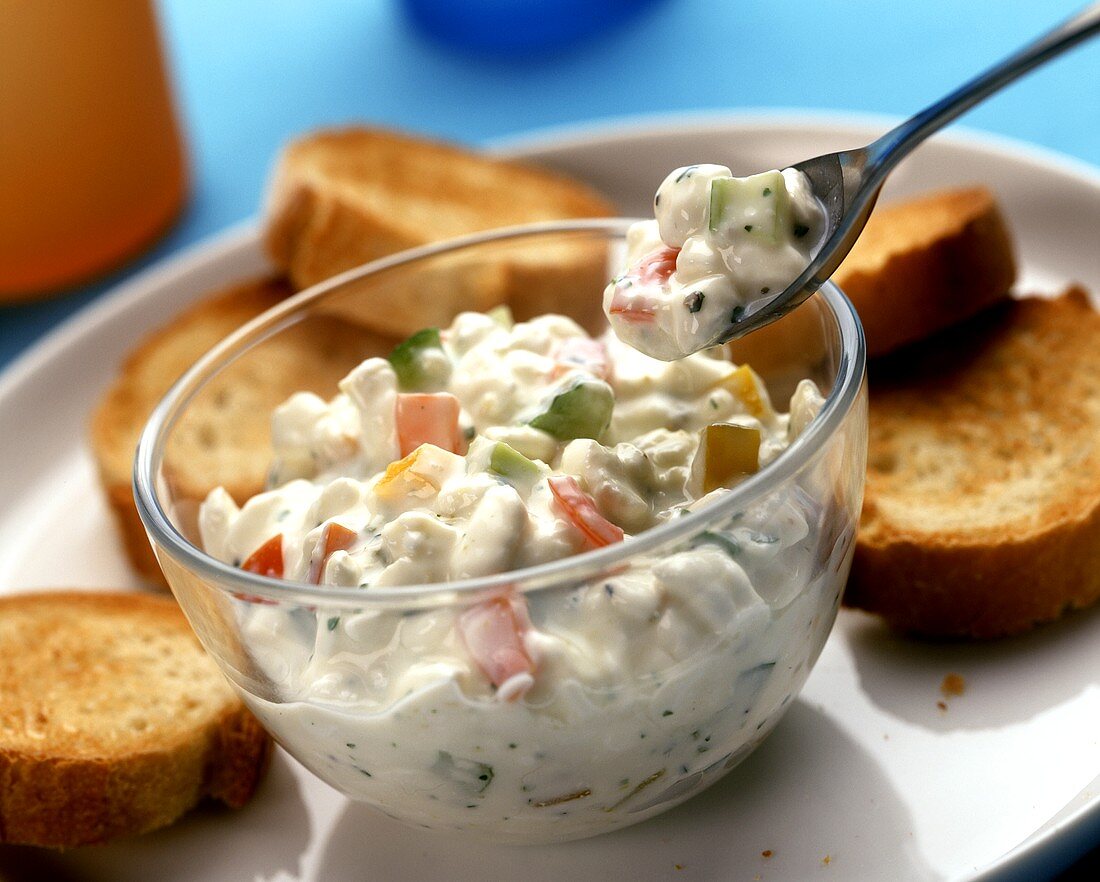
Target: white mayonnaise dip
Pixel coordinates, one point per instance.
(717, 244)
(491, 446)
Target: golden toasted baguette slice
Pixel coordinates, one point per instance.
(982, 509)
(927, 263)
(920, 265)
(341, 198)
(227, 440)
(113, 721)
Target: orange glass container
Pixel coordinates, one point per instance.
(92, 163)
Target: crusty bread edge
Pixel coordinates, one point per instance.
(309, 227)
(65, 802)
(980, 586)
(979, 591)
(944, 282)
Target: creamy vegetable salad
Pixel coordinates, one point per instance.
(491, 446)
(716, 244)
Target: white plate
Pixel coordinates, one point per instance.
(866, 777)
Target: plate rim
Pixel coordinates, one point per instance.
(633, 126)
(245, 236)
(246, 232)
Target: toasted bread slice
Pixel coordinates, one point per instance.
(113, 721)
(920, 265)
(982, 509)
(227, 440)
(341, 198)
(927, 263)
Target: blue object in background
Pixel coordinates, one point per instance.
(509, 26)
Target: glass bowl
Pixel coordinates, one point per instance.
(362, 686)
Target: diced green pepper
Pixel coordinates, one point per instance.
(419, 362)
(758, 205)
(509, 463)
(581, 411)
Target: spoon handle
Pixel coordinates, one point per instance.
(896, 144)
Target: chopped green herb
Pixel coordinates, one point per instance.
(767, 191)
(694, 301)
(800, 230)
(642, 785)
(748, 228)
(333, 622)
(686, 173)
(558, 800)
(737, 314)
(666, 713)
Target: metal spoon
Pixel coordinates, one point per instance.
(848, 183)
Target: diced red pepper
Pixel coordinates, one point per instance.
(334, 537)
(493, 635)
(267, 560)
(428, 418)
(582, 513)
(656, 267)
(636, 310)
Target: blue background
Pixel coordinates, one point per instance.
(252, 73)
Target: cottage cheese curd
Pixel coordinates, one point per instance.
(716, 245)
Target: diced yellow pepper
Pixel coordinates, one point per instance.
(402, 479)
(729, 452)
(745, 385)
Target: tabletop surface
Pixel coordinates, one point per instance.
(252, 73)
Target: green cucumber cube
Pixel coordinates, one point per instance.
(581, 411)
(758, 205)
(419, 362)
(502, 315)
(509, 463)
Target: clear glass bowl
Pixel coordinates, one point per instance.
(688, 679)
